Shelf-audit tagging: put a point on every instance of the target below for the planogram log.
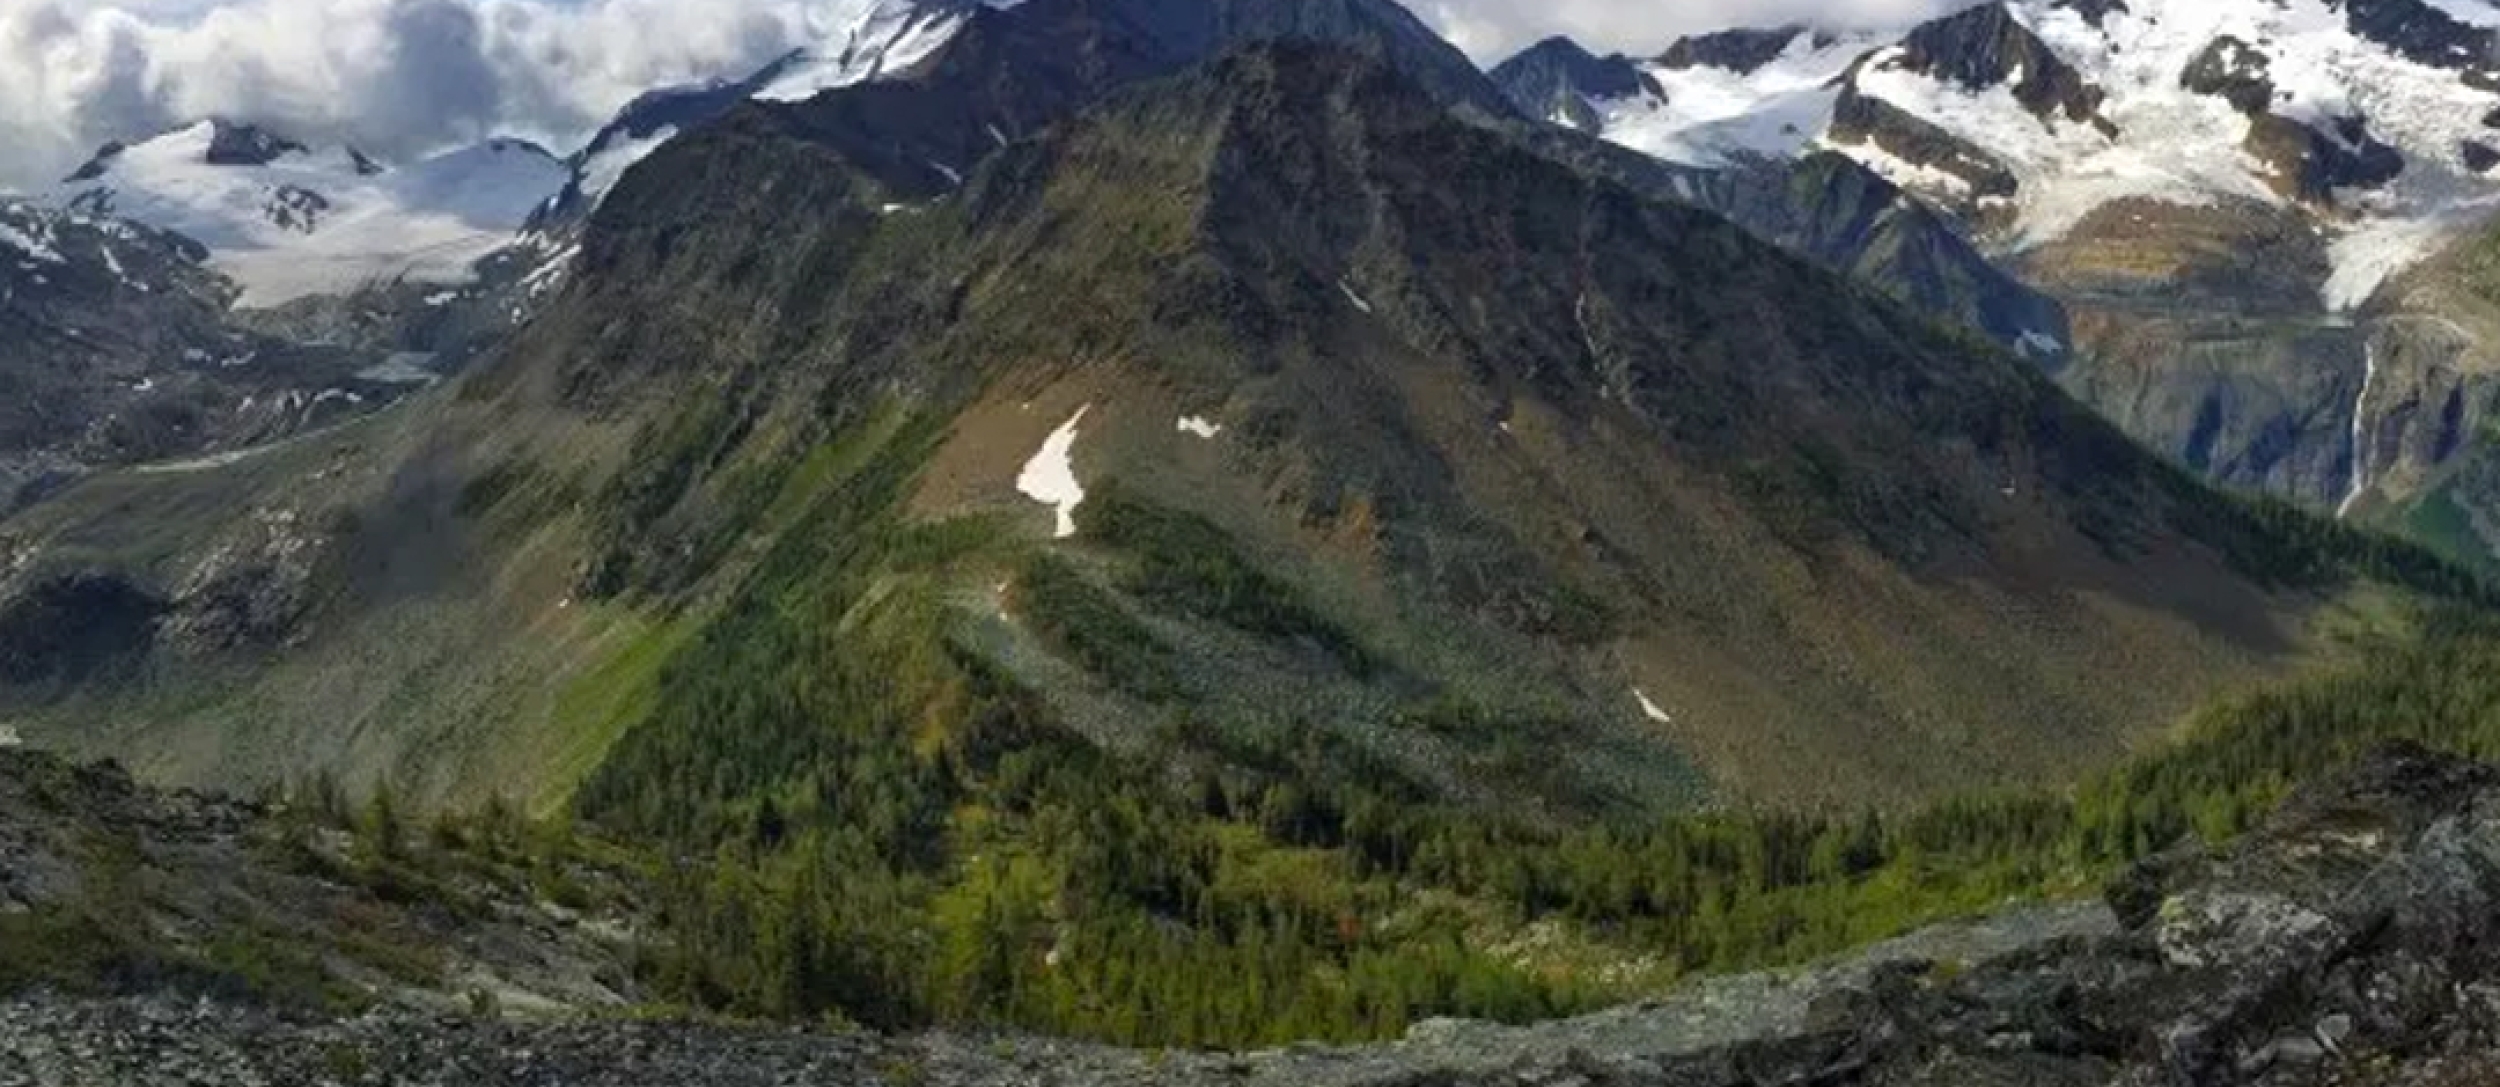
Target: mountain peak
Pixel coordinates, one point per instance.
(214, 141)
(1987, 46)
(885, 39)
(232, 143)
(1742, 50)
(1559, 80)
(1559, 47)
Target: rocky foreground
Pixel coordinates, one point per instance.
(2354, 940)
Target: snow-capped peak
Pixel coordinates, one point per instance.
(1558, 79)
(286, 220)
(857, 41)
(868, 40)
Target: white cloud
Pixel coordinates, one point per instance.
(399, 77)
(396, 77)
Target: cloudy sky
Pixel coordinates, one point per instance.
(400, 77)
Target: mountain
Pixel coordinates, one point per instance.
(117, 347)
(2127, 160)
(202, 295)
(2028, 115)
(285, 221)
(1559, 80)
(901, 40)
(637, 130)
(1831, 210)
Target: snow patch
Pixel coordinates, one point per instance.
(404, 368)
(1358, 300)
(30, 245)
(1191, 424)
(2040, 344)
(1050, 477)
(1651, 709)
(113, 264)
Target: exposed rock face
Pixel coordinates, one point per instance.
(2478, 156)
(2426, 34)
(2350, 941)
(1986, 46)
(2234, 71)
(2303, 163)
(253, 590)
(1979, 49)
(245, 145)
(1831, 209)
(654, 115)
(2355, 929)
(1558, 80)
(1741, 51)
(2205, 343)
(1860, 119)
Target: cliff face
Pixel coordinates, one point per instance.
(2349, 941)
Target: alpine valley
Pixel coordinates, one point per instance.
(1219, 523)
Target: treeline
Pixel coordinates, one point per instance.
(868, 822)
(1014, 875)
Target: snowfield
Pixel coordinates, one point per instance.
(321, 222)
(1712, 115)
